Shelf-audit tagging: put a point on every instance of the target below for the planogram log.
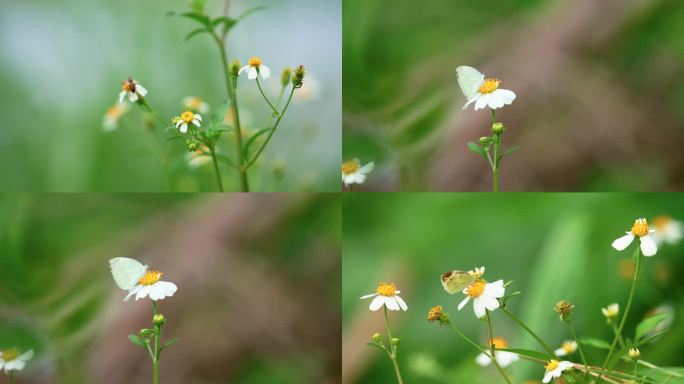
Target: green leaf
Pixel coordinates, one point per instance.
(253, 138)
(135, 339)
(198, 17)
(669, 375)
(649, 338)
(526, 352)
(648, 324)
(195, 33)
(505, 298)
(225, 160)
(172, 341)
(227, 23)
(596, 343)
(250, 11)
(198, 5)
(477, 149)
(220, 114)
(508, 152)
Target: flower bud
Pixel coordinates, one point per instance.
(564, 309)
(286, 76)
(298, 77)
(158, 320)
(497, 128)
(377, 337)
(193, 145)
(485, 141)
(436, 313)
(634, 353)
(235, 67)
(175, 120)
(395, 341)
(146, 333)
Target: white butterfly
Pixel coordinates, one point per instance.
(481, 91)
(126, 272)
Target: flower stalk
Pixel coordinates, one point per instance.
(492, 355)
(393, 348)
(527, 329)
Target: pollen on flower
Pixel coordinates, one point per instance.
(150, 277)
(254, 61)
(499, 343)
(640, 227)
(386, 289)
(553, 364)
(128, 85)
(489, 86)
(435, 313)
(10, 354)
(350, 167)
(187, 116)
(475, 289)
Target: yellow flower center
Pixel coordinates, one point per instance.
(350, 167)
(386, 289)
(10, 354)
(150, 277)
(435, 313)
(475, 289)
(489, 86)
(640, 228)
(499, 343)
(254, 61)
(568, 347)
(187, 116)
(553, 364)
(661, 222)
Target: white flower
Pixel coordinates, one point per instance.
(481, 91)
(111, 119)
(668, 230)
(149, 284)
(611, 311)
(354, 173)
(133, 89)
(568, 347)
(188, 117)
(555, 368)
(485, 295)
(254, 67)
(639, 229)
(196, 104)
(386, 294)
(12, 360)
(504, 358)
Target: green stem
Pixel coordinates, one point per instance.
(157, 337)
(579, 347)
(615, 332)
(11, 377)
(275, 111)
(270, 134)
(479, 347)
(393, 355)
(232, 95)
(624, 316)
(491, 349)
(216, 169)
(495, 168)
(541, 342)
(636, 377)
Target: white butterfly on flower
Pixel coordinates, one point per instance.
(484, 92)
(136, 278)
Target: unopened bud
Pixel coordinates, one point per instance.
(286, 76)
(193, 145)
(564, 309)
(395, 341)
(298, 77)
(497, 128)
(158, 320)
(235, 67)
(485, 141)
(377, 337)
(145, 333)
(634, 353)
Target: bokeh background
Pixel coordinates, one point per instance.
(553, 247)
(600, 91)
(62, 67)
(258, 278)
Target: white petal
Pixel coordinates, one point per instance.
(265, 71)
(141, 90)
(648, 246)
(133, 97)
(122, 94)
(560, 352)
(495, 101)
(184, 128)
(479, 307)
(377, 303)
(132, 292)
(482, 101)
(198, 117)
(392, 304)
(401, 302)
(489, 302)
(495, 289)
(367, 168)
(547, 377)
(26, 356)
(143, 292)
(506, 95)
(2, 363)
(463, 303)
(356, 178)
(563, 365)
(197, 123)
(246, 67)
(623, 242)
(506, 358)
(367, 296)
(471, 100)
(483, 360)
(251, 73)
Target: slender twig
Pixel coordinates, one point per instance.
(495, 168)
(275, 111)
(393, 355)
(270, 134)
(216, 169)
(579, 346)
(530, 331)
(157, 336)
(491, 348)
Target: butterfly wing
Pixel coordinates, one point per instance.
(469, 79)
(456, 281)
(126, 272)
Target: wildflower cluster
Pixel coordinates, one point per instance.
(202, 133)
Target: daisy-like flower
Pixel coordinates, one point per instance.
(255, 67)
(386, 294)
(555, 368)
(485, 295)
(611, 311)
(667, 230)
(188, 117)
(640, 230)
(13, 360)
(484, 92)
(504, 358)
(568, 347)
(149, 285)
(132, 89)
(196, 104)
(354, 173)
(111, 119)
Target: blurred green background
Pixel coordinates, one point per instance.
(599, 84)
(553, 246)
(250, 270)
(62, 67)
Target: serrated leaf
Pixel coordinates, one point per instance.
(135, 339)
(195, 33)
(596, 343)
(198, 17)
(648, 324)
(253, 138)
(526, 352)
(170, 342)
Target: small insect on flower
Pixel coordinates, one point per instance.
(568, 347)
(354, 173)
(111, 119)
(136, 278)
(667, 230)
(188, 117)
(555, 368)
(611, 311)
(485, 295)
(13, 360)
(504, 358)
(386, 294)
(133, 89)
(481, 91)
(196, 104)
(255, 67)
(639, 229)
